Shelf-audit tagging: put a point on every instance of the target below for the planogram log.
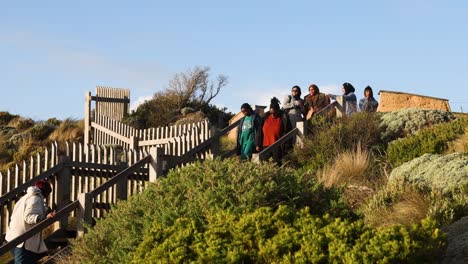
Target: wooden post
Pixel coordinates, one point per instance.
(122, 188)
(340, 100)
(301, 126)
(215, 145)
(63, 189)
(156, 164)
(87, 117)
(84, 213)
(256, 157)
(134, 142)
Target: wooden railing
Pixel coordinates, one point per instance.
(295, 136)
(107, 131)
(88, 179)
(81, 169)
(63, 213)
(203, 149)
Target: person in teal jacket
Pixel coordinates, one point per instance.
(249, 133)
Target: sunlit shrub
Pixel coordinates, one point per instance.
(429, 140)
(399, 123)
(200, 190)
(286, 236)
(330, 139)
(433, 172)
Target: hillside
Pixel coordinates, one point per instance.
(22, 137)
(354, 193)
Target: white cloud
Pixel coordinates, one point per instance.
(331, 89)
(139, 101)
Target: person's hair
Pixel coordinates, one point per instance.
(315, 87)
(246, 106)
(298, 90)
(349, 88)
(274, 103)
(44, 186)
(368, 88)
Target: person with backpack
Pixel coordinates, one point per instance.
(293, 105)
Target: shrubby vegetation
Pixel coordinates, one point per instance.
(285, 235)
(443, 173)
(188, 90)
(20, 138)
(331, 137)
(400, 123)
(433, 140)
(330, 202)
(199, 191)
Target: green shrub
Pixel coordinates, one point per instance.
(442, 173)
(330, 139)
(429, 140)
(200, 190)
(285, 235)
(399, 123)
(447, 208)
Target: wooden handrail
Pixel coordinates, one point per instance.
(187, 156)
(89, 165)
(119, 176)
(278, 143)
(39, 227)
(111, 133)
(13, 193)
(326, 108)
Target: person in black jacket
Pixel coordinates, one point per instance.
(249, 133)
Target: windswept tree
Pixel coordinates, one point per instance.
(191, 89)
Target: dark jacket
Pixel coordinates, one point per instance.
(257, 127)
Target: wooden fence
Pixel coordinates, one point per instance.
(80, 169)
(107, 131)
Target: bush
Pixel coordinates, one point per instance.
(330, 139)
(41, 131)
(447, 208)
(5, 118)
(21, 124)
(429, 140)
(442, 173)
(390, 207)
(198, 191)
(286, 236)
(68, 130)
(399, 123)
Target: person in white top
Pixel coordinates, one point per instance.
(29, 210)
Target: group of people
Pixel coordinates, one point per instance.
(256, 133)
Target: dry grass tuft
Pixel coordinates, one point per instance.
(349, 167)
(68, 130)
(411, 208)
(459, 145)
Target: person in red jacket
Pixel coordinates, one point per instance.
(275, 124)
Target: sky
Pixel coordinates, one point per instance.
(53, 52)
